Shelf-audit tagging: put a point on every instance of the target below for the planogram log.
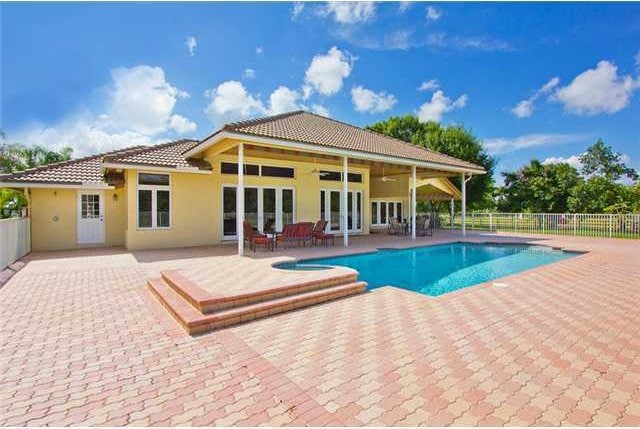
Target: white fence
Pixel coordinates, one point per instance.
(579, 224)
(15, 240)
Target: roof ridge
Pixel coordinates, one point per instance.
(255, 121)
(149, 148)
(69, 162)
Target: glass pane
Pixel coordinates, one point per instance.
(287, 206)
(354, 177)
(323, 214)
(251, 206)
(144, 209)
(153, 179)
(358, 211)
(374, 213)
(162, 209)
(383, 213)
(334, 176)
(270, 171)
(269, 210)
(229, 211)
(232, 168)
(399, 211)
(84, 206)
(334, 197)
(350, 210)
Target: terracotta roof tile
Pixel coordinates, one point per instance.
(305, 127)
(164, 155)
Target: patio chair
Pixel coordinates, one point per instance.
(250, 235)
(395, 227)
(423, 226)
(320, 234)
(288, 235)
(305, 233)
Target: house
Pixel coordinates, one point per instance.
(291, 167)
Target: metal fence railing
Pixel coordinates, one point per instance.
(578, 224)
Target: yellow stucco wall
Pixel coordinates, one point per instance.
(54, 219)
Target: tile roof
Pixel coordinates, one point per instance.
(89, 169)
(305, 127)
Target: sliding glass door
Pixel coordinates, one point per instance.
(383, 211)
(330, 204)
(267, 208)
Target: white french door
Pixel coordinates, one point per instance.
(383, 211)
(90, 218)
(268, 208)
(330, 204)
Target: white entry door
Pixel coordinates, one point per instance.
(90, 217)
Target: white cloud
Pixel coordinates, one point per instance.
(327, 72)
(440, 104)
(259, 50)
(637, 59)
(139, 110)
(230, 101)
(478, 43)
(573, 160)
(433, 14)
(191, 43)
(525, 107)
(596, 91)
(282, 100)
(349, 12)
(404, 6)
(320, 110)
(249, 74)
(297, 9)
(429, 85)
(142, 100)
(365, 100)
(504, 145)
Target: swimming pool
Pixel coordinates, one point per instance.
(436, 270)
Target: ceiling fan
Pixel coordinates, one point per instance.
(386, 178)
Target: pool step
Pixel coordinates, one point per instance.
(208, 303)
(195, 322)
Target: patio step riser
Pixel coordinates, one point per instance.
(201, 300)
(195, 322)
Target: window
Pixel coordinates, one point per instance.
(336, 176)
(90, 206)
(270, 171)
(382, 212)
(232, 168)
(154, 201)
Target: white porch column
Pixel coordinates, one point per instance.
(345, 200)
(452, 212)
(240, 201)
(464, 204)
(413, 202)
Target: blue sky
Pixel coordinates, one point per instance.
(531, 80)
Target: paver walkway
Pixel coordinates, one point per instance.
(83, 342)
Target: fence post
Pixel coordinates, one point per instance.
(490, 222)
(574, 224)
(473, 220)
(610, 225)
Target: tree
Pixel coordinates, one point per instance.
(600, 160)
(453, 140)
(538, 188)
(598, 194)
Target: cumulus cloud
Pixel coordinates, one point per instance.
(433, 14)
(349, 12)
(434, 109)
(282, 100)
(596, 91)
(573, 160)
(366, 100)
(504, 145)
(404, 6)
(191, 43)
(297, 9)
(139, 109)
(327, 72)
(525, 107)
(249, 73)
(320, 110)
(429, 85)
(230, 101)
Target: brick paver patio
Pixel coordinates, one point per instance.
(83, 342)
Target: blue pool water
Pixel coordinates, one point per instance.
(435, 270)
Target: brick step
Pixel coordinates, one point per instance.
(195, 322)
(206, 303)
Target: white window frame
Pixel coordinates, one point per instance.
(260, 225)
(354, 206)
(154, 200)
(387, 202)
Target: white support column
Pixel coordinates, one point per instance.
(464, 204)
(240, 201)
(413, 202)
(452, 212)
(345, 200)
